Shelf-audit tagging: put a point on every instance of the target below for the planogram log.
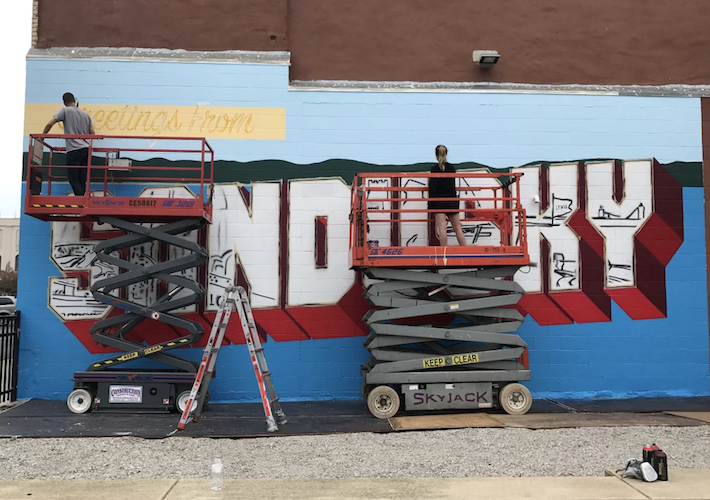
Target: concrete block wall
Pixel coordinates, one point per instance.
(644, 335)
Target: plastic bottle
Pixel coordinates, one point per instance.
(217, 474)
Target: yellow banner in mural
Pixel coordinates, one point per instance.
(212, 122)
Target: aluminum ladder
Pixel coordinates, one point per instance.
(234, 297)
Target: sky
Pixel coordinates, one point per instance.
(15, 41)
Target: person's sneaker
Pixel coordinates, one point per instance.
(639, 470)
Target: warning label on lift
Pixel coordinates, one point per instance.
(464, 359)
(126, 357)
(456, 359)
(434, 362)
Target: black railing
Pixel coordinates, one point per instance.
(9, 354)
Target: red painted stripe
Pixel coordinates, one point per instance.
(247, 198)
(283, 244)
(321, 254)
(544, 187)
(394, 227)
(618, 182)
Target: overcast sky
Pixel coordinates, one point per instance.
(15, 40)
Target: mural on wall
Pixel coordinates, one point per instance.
(601, 231)
(598, 232)
(203, 120)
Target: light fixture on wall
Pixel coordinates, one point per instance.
(485, 58)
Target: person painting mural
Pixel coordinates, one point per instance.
(445, 187)
(76, 122)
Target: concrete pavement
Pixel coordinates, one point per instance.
(683, 485)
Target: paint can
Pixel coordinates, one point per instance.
(661, 465)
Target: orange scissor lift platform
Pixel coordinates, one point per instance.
(380, 199)
(443, 327)
(111, 172)
(180, 203)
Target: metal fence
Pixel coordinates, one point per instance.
(9, 354)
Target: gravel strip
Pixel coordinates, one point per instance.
(451, 453)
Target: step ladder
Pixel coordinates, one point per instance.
(234, 297)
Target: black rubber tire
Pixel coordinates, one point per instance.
(79, 401)
(383, 401)
(186, 395)
(515, 399)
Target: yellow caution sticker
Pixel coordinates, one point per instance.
(434, 362)
(56, 206)
(153, 349)
(464, 359)
(126, 357)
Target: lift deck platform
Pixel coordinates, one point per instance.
(399, 201)
(443, 331)
(181, 203)
(112, 173)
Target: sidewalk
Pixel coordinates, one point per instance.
(683, 485)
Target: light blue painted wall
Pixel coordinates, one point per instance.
(498, 130)
(667, 357)
(651, 358)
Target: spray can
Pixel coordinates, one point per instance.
(653, 461)
(648, 453)
(662, 465)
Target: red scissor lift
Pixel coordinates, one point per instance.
(112, 198)
(443, 330)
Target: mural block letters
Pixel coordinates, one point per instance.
(598, 232)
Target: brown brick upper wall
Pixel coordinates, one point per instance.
(171, 24)
(542, 41)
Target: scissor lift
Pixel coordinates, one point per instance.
(443, 330)
(111, 198)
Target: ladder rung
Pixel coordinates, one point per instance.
(266, 374)
(258, 349)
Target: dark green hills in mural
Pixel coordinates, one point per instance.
(688, 174)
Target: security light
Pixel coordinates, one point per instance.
(485, 58)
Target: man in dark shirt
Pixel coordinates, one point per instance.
(76, 122)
